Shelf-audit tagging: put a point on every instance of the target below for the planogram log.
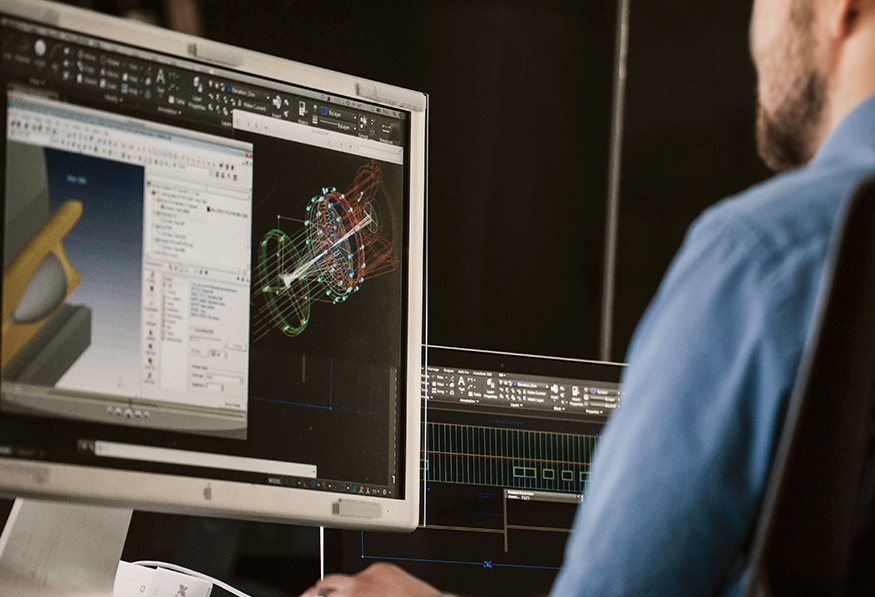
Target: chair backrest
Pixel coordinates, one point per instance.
(818, 495)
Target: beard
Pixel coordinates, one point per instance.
(787, 138)
(788, 135)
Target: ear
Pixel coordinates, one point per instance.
(843, 16)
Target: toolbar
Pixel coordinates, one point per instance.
(109, 74)
(526, 392)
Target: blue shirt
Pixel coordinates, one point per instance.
(680, 470)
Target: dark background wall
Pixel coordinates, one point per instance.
(520, 98)
(688, 138)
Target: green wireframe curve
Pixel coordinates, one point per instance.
(286, 293)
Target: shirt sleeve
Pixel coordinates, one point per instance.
(678, 473)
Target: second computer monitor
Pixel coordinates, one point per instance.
(507, 444)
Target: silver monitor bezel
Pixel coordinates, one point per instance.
(210, 497)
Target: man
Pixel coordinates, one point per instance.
(680, 471)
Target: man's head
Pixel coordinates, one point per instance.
(805, 53)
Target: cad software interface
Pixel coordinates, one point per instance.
(508, 442)
(202, 269)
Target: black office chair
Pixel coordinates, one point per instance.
(816, 531)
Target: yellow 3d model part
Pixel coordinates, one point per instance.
(38, 280)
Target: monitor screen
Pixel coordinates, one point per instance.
(507, 445)
(212, 276)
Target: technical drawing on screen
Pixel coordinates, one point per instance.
(212, 286)
(508, 441)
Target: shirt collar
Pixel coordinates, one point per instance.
(853, 138)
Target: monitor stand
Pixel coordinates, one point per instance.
(49, 549)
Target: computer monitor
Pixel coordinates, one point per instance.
(507, 445)
(212, 279)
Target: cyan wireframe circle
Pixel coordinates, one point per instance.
(334, 232)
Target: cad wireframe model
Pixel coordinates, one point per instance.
(345, 238)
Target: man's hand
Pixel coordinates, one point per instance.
(378, 580)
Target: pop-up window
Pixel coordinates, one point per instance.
(196, 242)
(163, 249)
